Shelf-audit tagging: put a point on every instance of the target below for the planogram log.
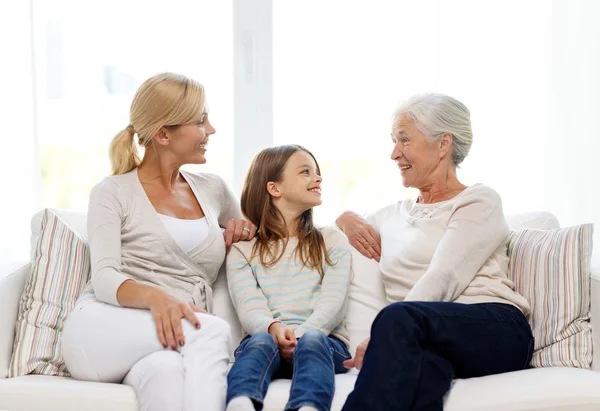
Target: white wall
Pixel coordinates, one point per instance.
(537, 145)
(18, 165)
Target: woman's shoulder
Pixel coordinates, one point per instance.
(207, 181)
(114, 184)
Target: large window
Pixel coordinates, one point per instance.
(341, 68)
(328, 75)
(337, 81)
(91, 57)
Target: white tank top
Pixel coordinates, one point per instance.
(186, 233)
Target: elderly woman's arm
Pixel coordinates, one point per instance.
(476, 230)
(361, 233)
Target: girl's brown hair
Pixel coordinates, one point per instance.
(257, 206)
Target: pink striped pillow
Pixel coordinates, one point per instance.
(60, 269)
(552, 270)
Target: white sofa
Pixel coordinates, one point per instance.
(549, 389)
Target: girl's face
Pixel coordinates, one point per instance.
(300, 185)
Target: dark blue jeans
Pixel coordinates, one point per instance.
(417, 348)
(317, 358)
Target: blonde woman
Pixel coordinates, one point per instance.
(156, 247)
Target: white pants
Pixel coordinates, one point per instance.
(105, 343)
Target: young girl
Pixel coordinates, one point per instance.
(288, 286)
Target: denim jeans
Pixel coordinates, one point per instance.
(317, 358)
(417, 348)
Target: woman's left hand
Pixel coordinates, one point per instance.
(238, 230)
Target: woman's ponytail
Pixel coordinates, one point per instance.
(123, 152)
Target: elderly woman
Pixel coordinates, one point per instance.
(453, 312)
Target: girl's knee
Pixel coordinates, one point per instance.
(312, 338)
(261, 343)
(261, 340)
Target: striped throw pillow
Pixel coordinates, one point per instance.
(60, 269)
(552, 270)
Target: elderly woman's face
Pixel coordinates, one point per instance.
(414, 154)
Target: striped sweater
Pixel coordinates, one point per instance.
(289, 292)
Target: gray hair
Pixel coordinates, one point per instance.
(436, 114)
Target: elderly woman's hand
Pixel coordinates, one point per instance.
(361, 234)
(359, 357)
(238, 230)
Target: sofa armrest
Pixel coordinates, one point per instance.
(12, 282)
(595, 313)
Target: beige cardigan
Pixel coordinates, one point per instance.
(129, 241)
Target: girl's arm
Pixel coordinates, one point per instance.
(248, 299)
(330, 308)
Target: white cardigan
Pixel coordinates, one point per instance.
(129, 241)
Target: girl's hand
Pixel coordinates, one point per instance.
(238, 230)
(285, 339)
(361, 234)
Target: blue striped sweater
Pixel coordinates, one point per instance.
(289, 292)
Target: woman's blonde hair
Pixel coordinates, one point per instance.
(257, 205)
(164, 100)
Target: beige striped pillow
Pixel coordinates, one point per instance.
(552, 270)
(60, 269)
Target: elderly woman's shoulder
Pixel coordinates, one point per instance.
(483, 193)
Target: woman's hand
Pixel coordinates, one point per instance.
(359, 357)
(238, 230)
(285, 339)
(361, 234)
(168, 312)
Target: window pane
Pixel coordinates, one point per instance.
(337, 83)
(90, 58)
(336, 87)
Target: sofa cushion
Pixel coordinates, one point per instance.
(543, 389)
(41, 392)
(549, 389)
(539, 389)
(551, 269)
(59, 271)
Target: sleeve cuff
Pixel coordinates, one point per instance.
(300, 331)
(106, 285)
